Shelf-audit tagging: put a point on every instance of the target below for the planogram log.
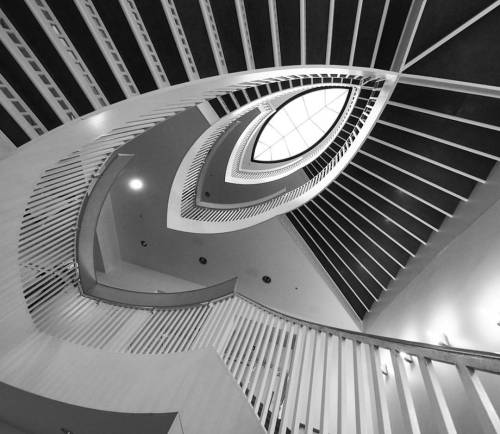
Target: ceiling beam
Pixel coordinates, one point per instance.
(107, 46)
(303, 34)
(6, 146)
(408, 33)
(451, 35)
(273, 18)
(213, 36)
(69, 54)
(19, 110)
(245, 34)
(451, 85)
(379, 33)
(35, 70)
(180, 39)
(329, 33)
(144, 41)
(355, 32)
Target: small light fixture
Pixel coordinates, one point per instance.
(406, 357)
(202, 260)
(136, 184)
(384, 370)
(266, 279)
(144, 243)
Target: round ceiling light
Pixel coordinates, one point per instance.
(136, 184)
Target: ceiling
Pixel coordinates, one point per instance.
(433, 143)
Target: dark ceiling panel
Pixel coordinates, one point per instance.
(427, 192)
(442, 17)
(154, 18)
(117, 25)
(435, 174)
(394, 23)
(467, 56)
(474, 107)
(257, 12)
(16, 77)
(11, 129)
(470, 136)
(26, 24)
(371, 15)
(343, 29)
(459, 159)
(196, 33)
(73, 24)
(227, 25)
(316, 30)
(289, 31)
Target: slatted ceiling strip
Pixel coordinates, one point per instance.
(20, 111)
(353, 229)
(401, 189)
(180, 39)
(411, 239)
(413, 175)
(484, 149)
(39, 76)
(320, 254)
(351, 253)
(428, 160)
(69, 54)
(107, 47)
(444, 115)
(213, 36)
(376, 226)
(391, 172)
(331, 218)
(282, 329)
(391, 202)
(144, 41)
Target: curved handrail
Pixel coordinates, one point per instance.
(159, 300)
(474, 358)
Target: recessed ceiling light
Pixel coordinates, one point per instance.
(136, 184)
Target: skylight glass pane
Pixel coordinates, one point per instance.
(300, 124)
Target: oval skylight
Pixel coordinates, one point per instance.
(299, 124)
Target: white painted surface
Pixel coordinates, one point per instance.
(456, 294)
(136, 278)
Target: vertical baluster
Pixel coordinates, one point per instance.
(268, 359)
(245, 331)
(295, 420)
(216, 325)
(196, 328)
(237, 320)
(378, 396)
(249, 333)
(404, 393)
(310, 400)
(172, 331)
(284, 326)
(238, 335)
(439, 408)
(163, 325)
(224, 332)
(284, 372)
(355, 357)
(323, 428)
(186, 328)
(340, 384)
(215, 309)
(260, 362)
(488, 418)
(289, 399)
(256, 352)
(250, 346)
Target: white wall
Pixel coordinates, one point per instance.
(458, 293)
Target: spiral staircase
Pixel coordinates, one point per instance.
(84, 82)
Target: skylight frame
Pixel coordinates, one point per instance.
(318, 141)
